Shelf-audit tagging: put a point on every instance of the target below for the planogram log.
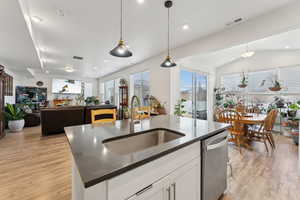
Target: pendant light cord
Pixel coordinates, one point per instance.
(121, 21)
(168, 31)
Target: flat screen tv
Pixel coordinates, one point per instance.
(63, 86)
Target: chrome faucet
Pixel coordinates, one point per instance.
(132, 121)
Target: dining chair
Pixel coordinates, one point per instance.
(103, 116)
(216, 113)
(263, 133)
(236, 129)
(241, 108)
(254, 109)
(142, 112)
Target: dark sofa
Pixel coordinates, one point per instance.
(54, 119)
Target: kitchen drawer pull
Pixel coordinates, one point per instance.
(218, 145)
(174, 191)
(144, 190)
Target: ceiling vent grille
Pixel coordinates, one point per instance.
(77, 57)
(238, 20)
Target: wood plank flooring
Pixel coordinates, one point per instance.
(32, 168)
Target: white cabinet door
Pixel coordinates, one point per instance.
(185, 182)
(159, 190)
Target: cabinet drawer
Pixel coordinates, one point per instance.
(127, 184)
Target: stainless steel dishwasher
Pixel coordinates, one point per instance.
(214, 166)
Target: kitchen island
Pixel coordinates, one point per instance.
(110, 163)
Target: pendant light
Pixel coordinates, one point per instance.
(168, 62)
(248, 53)
(121, 50)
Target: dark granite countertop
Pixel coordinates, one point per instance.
(96, 163)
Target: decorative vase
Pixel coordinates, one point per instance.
(16, 125)
(275, 89)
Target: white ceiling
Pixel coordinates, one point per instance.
(90, 29)
(17, 51)
(281, 43)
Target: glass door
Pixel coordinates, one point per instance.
(193, 88)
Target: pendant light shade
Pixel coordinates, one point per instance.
(121, 50)
(168, 61)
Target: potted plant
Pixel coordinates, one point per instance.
(179, 108)
(276, 85)
(15, 117)
(92, 101)
(229, 104)
(293, 109)
(244, 81)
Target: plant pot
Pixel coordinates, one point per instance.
(275, 89)
(242, 85)
(16, 125)
(292, 113)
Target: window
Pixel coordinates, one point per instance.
(290, 79)
(257, 81)
(102, 92)
(88, 90)
(109, 91)
(193, 88)
(139, 86)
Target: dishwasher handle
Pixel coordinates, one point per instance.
(217, 145)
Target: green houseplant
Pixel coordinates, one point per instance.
(15, 117)
(244, 81)
(92, 100)
(229, 104)
(276, 85)
(179, 108)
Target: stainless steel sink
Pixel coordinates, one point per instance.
(138, 142)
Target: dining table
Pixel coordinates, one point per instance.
(250, 119)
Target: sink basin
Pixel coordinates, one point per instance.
(138, 142)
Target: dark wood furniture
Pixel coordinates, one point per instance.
(55, 119)
(123, 95)
(8, 85)
(2, 89)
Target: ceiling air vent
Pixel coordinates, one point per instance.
(77, 57)
(238, 20)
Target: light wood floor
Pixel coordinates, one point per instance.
(32, 168)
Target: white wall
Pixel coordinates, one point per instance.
(26, 80)
(159, 78)
(162, 82)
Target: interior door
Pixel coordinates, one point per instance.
(159, 190)
(185, 182)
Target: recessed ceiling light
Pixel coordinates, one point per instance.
(248, 54)
(185, 27)
(36, 19)
(60, 12)
(94, 68)
(287, 47)
(69, 69)
(140, 1)
(47, 72)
